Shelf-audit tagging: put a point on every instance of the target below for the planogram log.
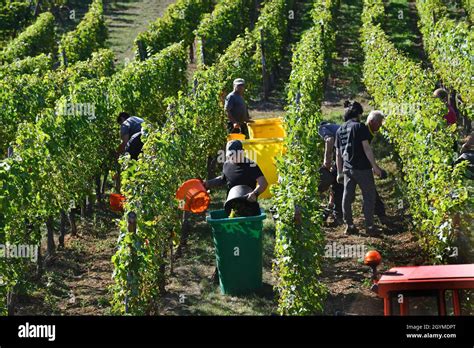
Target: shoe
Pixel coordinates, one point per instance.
(384, 219)
(372, 231)
(351, 229)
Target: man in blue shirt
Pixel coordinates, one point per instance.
(130, 133)
(328, 172)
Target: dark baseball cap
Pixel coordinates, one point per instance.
(233, 147)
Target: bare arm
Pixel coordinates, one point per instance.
(125, 139)
(262, 185)
(216, 182)
(370, 156)
(328, 149)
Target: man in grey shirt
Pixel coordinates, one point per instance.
(130, 133)
(236, 109)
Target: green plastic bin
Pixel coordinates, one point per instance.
(238, 244)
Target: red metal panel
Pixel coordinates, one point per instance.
(430, 272)
(387, 310)
(456, 304)
(427, 278)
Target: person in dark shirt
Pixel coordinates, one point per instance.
(239, 170)
(236, 109)
(328, 172)
(130, 133)
(355, 166)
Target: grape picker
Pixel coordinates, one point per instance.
(239, 170)
(236, 109)
(130, 133)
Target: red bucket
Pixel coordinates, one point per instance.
(116, 201)
(194, 196)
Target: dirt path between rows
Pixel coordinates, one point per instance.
(77, 279)
(346, 277)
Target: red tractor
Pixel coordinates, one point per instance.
(415, 289)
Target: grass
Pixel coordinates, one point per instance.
(346, 68)
(126, 19)
(401, 26)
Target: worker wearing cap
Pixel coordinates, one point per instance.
(236, 109)
(239, 170)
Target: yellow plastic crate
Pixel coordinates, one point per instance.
(267, 128)
(264, 152)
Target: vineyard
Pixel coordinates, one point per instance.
(68, 68)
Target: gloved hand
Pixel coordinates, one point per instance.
(383, 174)
(340, 178)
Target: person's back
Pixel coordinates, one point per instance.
(328, 129)
(356, 166)
(241, 173)
(131, 126)
(130, 133)
(349, 138)
(235, 104)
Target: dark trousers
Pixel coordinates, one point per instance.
(379, 205)
(134, 147)
(365, 180)
(338, 192)
(243, 128)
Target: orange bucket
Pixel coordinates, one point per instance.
(193, 196)
(235, 136)
(116, 201)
